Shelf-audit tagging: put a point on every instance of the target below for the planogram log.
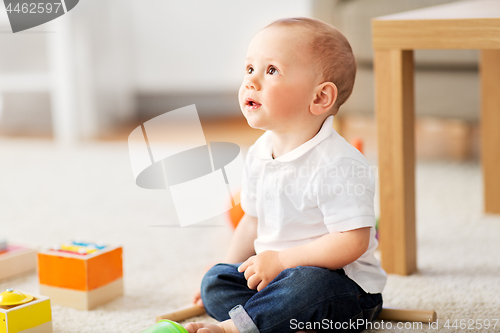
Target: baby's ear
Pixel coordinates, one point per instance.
(325, 96)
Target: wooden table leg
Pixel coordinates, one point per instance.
(396, 151)
(490, 128)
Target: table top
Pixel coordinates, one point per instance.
(454, 10)
(456, 25)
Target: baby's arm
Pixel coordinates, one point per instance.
(332, 251)
(241, 247)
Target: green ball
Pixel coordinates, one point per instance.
(166, 326)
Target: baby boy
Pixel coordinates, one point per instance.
(302, 256)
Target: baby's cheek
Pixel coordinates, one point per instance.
(288, 101)
(240, 94)
(241, 100)
(280, 108)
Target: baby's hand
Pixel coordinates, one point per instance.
(261, 269)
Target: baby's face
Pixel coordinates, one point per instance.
(279, 79)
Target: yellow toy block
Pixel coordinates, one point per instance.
(22, 312)
(83, 279)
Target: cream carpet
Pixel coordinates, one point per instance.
(49, 195)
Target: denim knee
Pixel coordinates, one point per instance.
(217, 275)
(304, 294)
(223, 288)
(209, 286)
(308, 278)
(210, 277)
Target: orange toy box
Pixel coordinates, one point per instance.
(15, 260)
(74, 276)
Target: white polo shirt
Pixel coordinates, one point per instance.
(325, 185)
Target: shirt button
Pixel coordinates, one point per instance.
(268, 196)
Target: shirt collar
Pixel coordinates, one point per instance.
(325, 131)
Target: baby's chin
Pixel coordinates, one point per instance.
(255, 126)
(253, 122)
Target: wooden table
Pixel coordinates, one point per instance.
(458, 25)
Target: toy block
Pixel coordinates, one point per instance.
(81, 279)
(24, 313)
(15, 260)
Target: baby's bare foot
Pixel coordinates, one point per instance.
(203, 328)
(223, 327)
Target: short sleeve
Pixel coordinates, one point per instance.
(345, 190)
(248, 195)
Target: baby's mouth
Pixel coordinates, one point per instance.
(252, 104)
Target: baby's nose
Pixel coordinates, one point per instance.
(252, 84)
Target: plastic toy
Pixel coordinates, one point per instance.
(14, 297)
(16, 260)
(22, 312)
(78, 247)
(166, 326)
(236, 213)
(93, 245)
(358, 144)
(81, 281)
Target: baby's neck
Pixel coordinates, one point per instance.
(287, 141)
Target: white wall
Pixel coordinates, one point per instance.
(144, 46)
(198, 44)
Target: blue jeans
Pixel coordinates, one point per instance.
(298, 298)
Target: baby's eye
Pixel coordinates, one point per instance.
(249, 70)
(272, 70)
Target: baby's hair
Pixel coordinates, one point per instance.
(332, 53)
